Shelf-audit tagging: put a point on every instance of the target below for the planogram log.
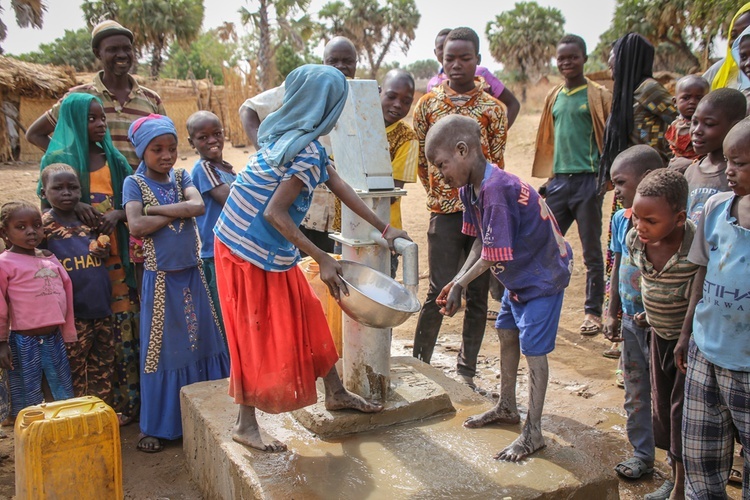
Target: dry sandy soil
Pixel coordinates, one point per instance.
(583, 407)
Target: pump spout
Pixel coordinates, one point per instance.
(410, 251)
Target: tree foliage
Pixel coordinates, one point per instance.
(73, 49)
(677, 28)
(29, 13)
(374, 29)
(275, 24)
(206, 56)
(524, 39)
(156, 24)
(424, 68)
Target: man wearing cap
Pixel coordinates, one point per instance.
(124, 100)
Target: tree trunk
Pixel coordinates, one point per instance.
(156, 57)
(265, 51)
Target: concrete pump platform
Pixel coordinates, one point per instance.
(431, 458)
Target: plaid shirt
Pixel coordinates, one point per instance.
(141, 102)
(443, 101)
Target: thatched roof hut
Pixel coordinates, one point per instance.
(22, 80)
(34, 80)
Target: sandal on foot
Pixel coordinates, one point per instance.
(633, 468)
(735, 476)
(662, 493)
(469, 381)
(591, 325)
(612, 353)
(492, 315)
(123, 420)
(143, 446)
(619, 379)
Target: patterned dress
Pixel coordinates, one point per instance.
(180, 338)
(125, 310)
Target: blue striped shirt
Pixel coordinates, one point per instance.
(241, 225)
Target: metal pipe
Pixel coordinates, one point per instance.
(410, 251)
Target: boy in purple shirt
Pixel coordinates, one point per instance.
(518, 238)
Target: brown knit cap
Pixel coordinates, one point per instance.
(106, 29)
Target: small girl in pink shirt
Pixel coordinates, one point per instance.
(36, 313)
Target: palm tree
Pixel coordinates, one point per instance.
(284, 29)
(29, 13)
(374, 29)
(155, 23)
(524, 39)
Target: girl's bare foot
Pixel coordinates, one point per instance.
(246, 431)
(254, 438)
(343, 399)
(524, 445)
(496, 415)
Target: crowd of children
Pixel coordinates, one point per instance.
(220, 249)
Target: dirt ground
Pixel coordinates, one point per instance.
(583, 405)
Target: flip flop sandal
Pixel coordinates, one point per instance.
(735, 476)
(612, 353)
(492, 315)
(156, 449)
(619, 379)
(635, 466)
(590, 326)
(662, 493)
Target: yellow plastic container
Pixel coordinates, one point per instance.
(68, 449)
(330, 306)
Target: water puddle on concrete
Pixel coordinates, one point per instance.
(436, 458)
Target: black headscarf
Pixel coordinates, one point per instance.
(634, 60)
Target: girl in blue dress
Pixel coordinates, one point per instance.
(180, 338)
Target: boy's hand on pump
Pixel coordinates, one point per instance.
(330, 273)
(87, 214)
(449, 299)
(391, 233)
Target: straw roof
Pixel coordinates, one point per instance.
(35, 80)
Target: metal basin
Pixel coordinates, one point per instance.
(375, 299)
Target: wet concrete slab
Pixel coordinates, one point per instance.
(435, 457)
(412, 396)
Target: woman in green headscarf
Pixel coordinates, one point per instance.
(725, 73)
(82, 140)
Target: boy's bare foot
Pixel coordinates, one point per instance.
(524, 445)
(343, 399)
(255, 438)
(496, 415)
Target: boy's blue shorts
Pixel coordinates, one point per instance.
(535, 320)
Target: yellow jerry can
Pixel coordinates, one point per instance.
(331, 308)
(68, 450)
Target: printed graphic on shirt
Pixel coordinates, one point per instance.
(47, 274)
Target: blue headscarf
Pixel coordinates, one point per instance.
(313, 100)
(146, 129)
(744, 80)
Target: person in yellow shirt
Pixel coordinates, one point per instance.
(396, 97)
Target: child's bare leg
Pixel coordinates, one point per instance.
(506, 410)
(338, 398)
(531, 438)
(678, 473)
(247, 431)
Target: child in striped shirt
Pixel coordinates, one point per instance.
(659, 244)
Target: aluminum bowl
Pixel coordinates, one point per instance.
(375, 299)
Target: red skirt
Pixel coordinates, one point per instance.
(279, 340)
